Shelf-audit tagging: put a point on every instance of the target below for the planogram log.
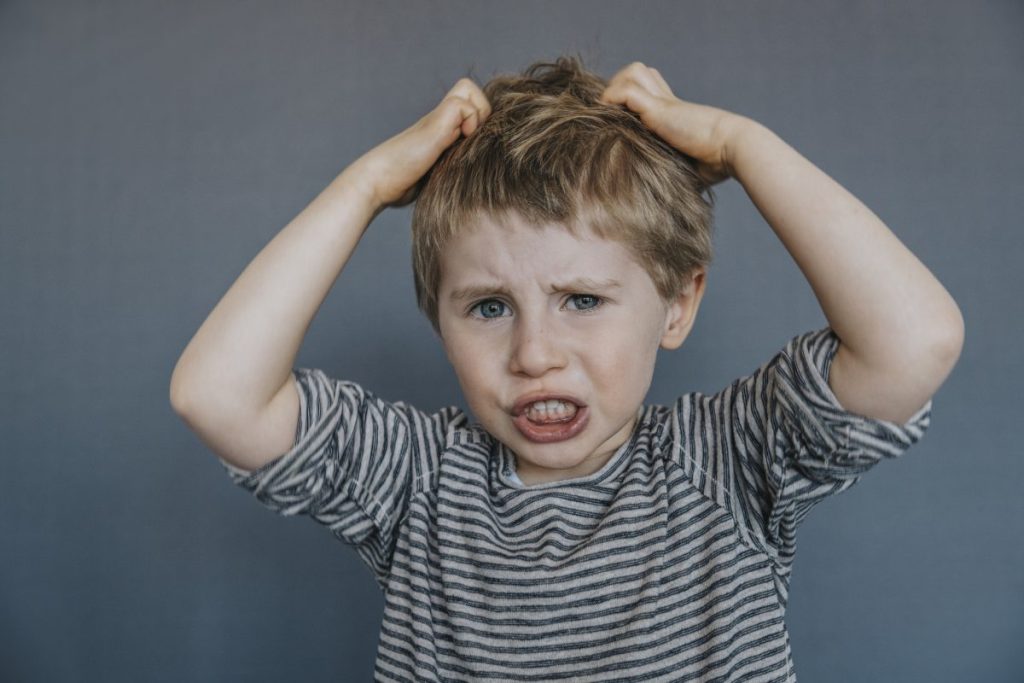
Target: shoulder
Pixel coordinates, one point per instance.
(318, 387)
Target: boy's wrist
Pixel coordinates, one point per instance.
(742, 136)
(358, 189)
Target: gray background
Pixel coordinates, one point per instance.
(150, 150)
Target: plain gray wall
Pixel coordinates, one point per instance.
(149, 150)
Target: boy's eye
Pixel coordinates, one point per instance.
(584, 302)
(491, 308)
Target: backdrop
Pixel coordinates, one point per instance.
(151, 149)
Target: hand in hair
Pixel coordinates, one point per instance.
(393, 170)
(697, 130)
(894, 351)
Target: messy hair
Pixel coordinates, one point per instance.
(553, 154)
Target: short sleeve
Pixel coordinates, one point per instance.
(785, 442)
(355, 463)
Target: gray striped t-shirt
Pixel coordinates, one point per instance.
(670, 563)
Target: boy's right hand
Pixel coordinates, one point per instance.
(391, 171)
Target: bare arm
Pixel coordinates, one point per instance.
(232, 384)
(900, 330)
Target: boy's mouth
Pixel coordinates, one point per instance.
(546, 419)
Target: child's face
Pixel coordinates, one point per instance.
(528, 314)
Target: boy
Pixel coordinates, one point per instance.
(560, 238)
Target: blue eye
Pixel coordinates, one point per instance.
(585, 302)
(490, 308)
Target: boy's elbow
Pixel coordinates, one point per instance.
(177, 401)
(951, 338)
(931, 356)
(944, 346)
(176, 394)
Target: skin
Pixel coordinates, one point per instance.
(901, 332)
(233, 383)
(532, 327)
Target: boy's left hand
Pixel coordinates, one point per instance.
(701, 132)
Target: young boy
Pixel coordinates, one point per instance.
(561, 236)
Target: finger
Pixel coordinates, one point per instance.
(626, 72)
(661, 81)
(630, 94)
(456, 114)
(479, 100)
(636, 71)
(615, 93)
(628, 80)
(470, 122)
(467, 89)
(614, 84)
(649, 79)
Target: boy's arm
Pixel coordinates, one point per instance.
(232, 384)
(901, 332)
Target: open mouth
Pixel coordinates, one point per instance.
(550, 420)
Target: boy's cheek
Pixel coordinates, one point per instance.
(475, 374)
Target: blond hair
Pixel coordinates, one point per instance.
(552, 153)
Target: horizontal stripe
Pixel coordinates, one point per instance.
(670, 563)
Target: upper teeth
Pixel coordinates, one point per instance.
(551, 405)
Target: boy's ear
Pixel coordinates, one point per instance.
(682, 311)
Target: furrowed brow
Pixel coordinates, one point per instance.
(472, 292)
(581, 284)
(586, 284)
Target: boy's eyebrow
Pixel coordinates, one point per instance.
(585, 284)
(578, 285)
(478, 291)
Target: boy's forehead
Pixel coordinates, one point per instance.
(512, 251)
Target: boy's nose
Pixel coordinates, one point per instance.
(536, 350)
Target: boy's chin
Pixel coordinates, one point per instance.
(568, 454)
(566, 458)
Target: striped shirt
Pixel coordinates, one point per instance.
(670, 563)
